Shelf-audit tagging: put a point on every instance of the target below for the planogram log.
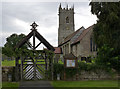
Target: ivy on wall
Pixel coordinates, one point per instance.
(82, 66)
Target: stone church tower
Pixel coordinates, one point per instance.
(66, 23)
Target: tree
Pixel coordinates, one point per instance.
(107, 32)
(107, 59)
(107, 29)
(12, 41)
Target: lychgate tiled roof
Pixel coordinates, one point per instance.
(57, 50)
(70, 56)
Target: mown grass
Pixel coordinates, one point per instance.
(8, 63)
(90, 83)
(10, 84)
(12, 62)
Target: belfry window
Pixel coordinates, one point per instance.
(67, 20)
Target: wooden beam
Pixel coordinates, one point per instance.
(38, 45)
(33, 40)
(30, 45)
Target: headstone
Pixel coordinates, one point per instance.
(58, 76)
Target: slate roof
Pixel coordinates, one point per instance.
(70, 37)
(83, 34)
(77, 35)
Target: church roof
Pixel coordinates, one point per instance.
(77, 35)
(70, 37)
(82, 35)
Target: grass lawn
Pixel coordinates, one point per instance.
(9, 63)
(12, 62)
(10, 84)
(90, 83)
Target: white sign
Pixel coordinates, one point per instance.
(70, 63)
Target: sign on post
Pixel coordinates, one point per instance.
(70, 61)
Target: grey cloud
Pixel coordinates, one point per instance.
(29, 13)
(44, 13)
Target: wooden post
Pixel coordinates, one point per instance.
(50, 66)
(64, 75)
(16, 69)
(34, 40)
(45, 58)
(51, 58)
(35, 77)
(77, 75)
(21, 68)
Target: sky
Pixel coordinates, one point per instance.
(18, 16)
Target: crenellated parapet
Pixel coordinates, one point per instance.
(66, 22)
(64, 9)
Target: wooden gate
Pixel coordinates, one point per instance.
(34, 67)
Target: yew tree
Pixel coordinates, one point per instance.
(107, 33)
(107, 29)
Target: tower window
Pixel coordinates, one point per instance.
(67, 20)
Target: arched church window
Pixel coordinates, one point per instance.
(67, 20)
(91, 44)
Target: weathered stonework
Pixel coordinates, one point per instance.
(65, 27)
(66, 31)
(90, 75)
(82, 49)
(7, 73)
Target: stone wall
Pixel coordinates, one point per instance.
(90, 75)
(8, 73)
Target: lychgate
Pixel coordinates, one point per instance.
(34, 64)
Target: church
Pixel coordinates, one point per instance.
(80, 42)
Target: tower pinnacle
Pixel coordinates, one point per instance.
(60, 6)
